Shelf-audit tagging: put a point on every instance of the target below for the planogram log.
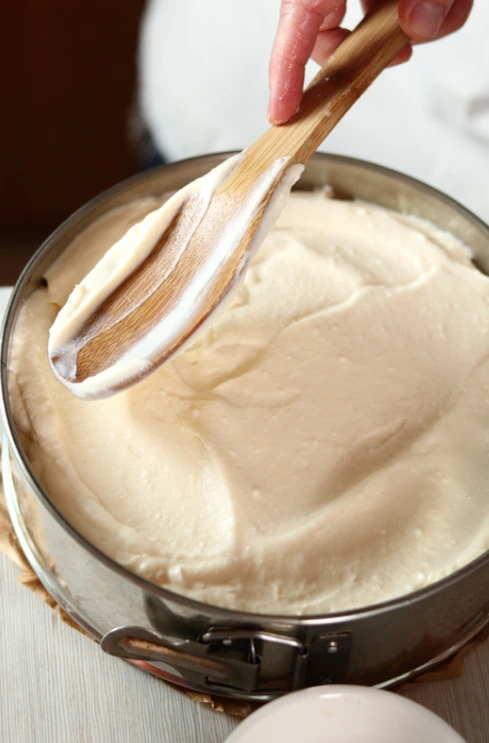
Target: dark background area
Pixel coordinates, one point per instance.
(69, 127)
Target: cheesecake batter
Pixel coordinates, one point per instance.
(221, 220)
(323, 446)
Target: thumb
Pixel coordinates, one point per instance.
(423, 19)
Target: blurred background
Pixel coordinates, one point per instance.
(68, 128)
(97, 90)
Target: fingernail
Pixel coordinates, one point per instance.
(271, 114)
(273, 118)
(330, 21)
(426, 19)
(275, 113)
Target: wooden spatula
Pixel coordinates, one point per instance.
(206, 244)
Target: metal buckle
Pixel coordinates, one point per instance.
(231, 659)
(195, 660)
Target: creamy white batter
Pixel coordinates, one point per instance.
(325, 445)
(161, 338)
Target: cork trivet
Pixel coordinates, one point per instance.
(449, 669)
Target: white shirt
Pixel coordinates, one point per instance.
(204, 88)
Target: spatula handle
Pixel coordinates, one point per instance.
(348, 73)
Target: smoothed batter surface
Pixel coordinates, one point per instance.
(325, 445)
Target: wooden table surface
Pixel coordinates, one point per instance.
(57, 686)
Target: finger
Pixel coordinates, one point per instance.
(454, 14)
(300, 21)
(424, 21)
(334, 17)
(326, 43)
(406, 53)
(403, 56)
(456, 17)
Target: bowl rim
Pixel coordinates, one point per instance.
(302, 700)
(304, 621)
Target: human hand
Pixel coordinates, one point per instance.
(312, 28)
